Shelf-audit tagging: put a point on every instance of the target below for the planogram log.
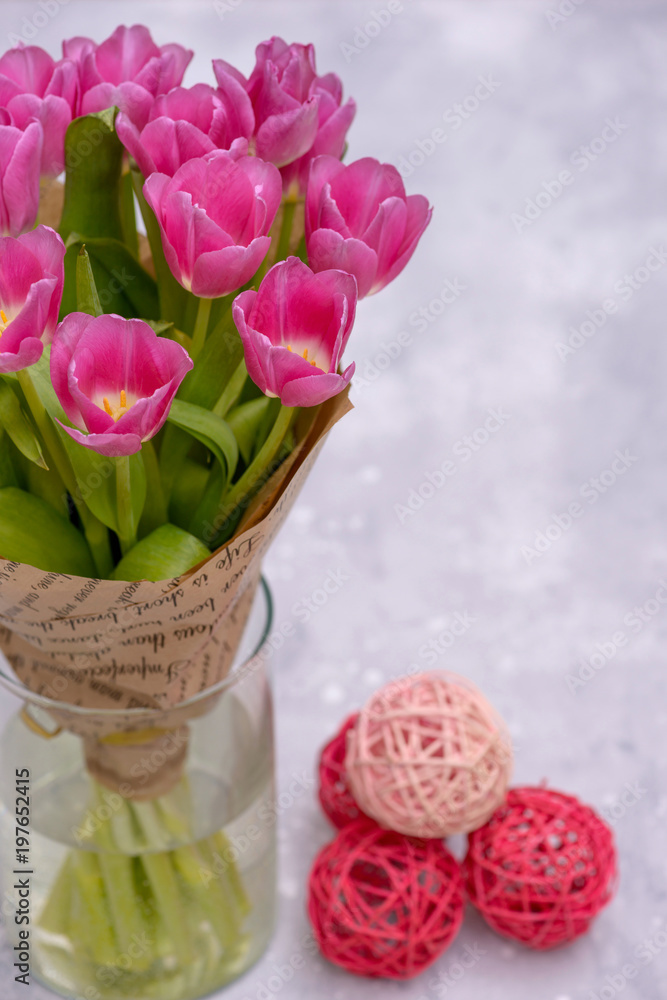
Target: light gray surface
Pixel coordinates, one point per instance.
(536, 618)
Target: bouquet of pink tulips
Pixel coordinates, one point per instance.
(180, 370)
(173, 321)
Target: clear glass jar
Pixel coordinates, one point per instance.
(132, 895)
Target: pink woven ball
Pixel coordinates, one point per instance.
(429, 756)
(334, 792)
(542, 868)
(382, 904)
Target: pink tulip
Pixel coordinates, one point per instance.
(214, 216)
(298, 114)
(187, 123)
(115, 379)
(127, 70)
(20, 157)
(31, 287)
(359, 219)
(33, 85)
(294, 330)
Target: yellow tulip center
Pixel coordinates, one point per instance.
(116, 412)
(5, 322)
(304, 355)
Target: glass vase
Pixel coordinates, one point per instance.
(168, 889)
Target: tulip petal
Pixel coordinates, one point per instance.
(112, 445)
(122, 56)
(315, 389)
(323, 169)
(28, 353)
(360, 189)
(386, 233)
(33, 316)
(67, 336)
(327, 249)
(419, 216)
(284, 137)
(20, 180)
(30, 67)
(220, 272)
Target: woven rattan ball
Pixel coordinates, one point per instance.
(382, 904)
(334, 792)
(429, 756)
(542, 868)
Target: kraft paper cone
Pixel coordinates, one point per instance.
(105, 644)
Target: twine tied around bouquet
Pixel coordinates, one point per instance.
(140, 765)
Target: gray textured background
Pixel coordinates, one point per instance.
(533, 618)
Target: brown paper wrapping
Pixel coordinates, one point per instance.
(103, 644)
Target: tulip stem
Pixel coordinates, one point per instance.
(96, 534)
(201, 327)
(289, 207)
(232, 390)
(260, 469)
(127, 529)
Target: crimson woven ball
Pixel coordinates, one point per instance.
(382, 904)
(542, 868)
(429, 756)
(334, 792)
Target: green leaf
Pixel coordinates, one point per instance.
(17, 426)
(202, 522)
(166, 552)
(245, 421)
(87, 299)
(93, 162)
(211, 430)
(123, 286)
(219, 359)
(188, 490)
(128, 218)
(32, 532)
(8, 476)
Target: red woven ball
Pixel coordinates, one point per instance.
(334, 792)
(382, 904)
(541, 868)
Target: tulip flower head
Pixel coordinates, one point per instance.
(359, 218)
(115, 379)
(294, 329)
(187, 123)
(128, 70)
(34, 86)
(214, 215)
(31, 287)
(298, 113)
